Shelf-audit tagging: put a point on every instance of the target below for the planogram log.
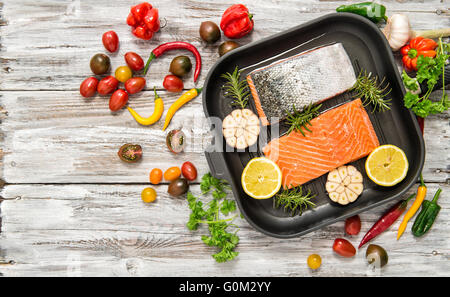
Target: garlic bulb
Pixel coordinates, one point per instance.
(344, 184)
(397, 31)
(241, 128)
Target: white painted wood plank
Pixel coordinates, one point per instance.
(95, 230)
(47, 45)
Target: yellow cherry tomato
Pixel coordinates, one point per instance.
(314, 261)
(148, 195)
(123, 73)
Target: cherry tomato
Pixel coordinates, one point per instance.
(130, 153)
(100, 64)
(178, 187)
(134, 61)
(88, 87)
(107, 85)
(156, 176)
(172, 173)
(148, 195)
(123, 73)
(344, 248)
(353, 225)
(110, 41)
(135, 85)
(173, 83)
(118, 100)
(314, 261)
(189, 171)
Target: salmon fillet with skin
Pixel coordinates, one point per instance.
(339, 136)
(309, 77)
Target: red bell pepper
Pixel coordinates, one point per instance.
(144, 19)
(418, 46)
(236, 21)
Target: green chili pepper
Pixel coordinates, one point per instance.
(427, 215)
(373, 11)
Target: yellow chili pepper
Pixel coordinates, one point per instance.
(186, 97)
(157, 113)
(421, 193)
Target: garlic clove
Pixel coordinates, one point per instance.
(231, 141)
(342, 172)
(331, 186)
(253, 130)
(229, 122)
(334, 176)
(241, 143)
(229, 132)
(352, 170)
(350, 195)
(357, 178)
(343, 199)
(250, 138)
(340, 189)
(357, 188)
(347, 180)
(334, 196)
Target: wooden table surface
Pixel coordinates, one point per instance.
(70, 207)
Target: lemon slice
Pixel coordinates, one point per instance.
(261, 178)
(387, 165)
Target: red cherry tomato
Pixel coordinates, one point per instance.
(135, 85)
(173, 83)
(134, 61)
(344, 248)
(107, 85)
(353, 225)
(189, 171)
(88, 87)
(110, 41)
(118, 100)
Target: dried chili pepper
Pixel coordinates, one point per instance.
(418, 46)
(427, 216)
(386, 220)
(236, 21)
(161, 49)
(144, 19)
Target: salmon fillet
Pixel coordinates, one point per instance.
(309, 77)
(339, 136)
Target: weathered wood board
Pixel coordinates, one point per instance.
(68, 207)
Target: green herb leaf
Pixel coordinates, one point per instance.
(371, 91)
(299, 120)
(429, 70)
(236, 89)
(210, 215)
(294, 200)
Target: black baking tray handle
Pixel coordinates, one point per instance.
(217, 164)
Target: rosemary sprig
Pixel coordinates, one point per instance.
(236, 89)
(300, 119)
(294, 200)
(373, 92)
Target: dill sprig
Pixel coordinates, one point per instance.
(373, 92)
(294, 200)
(300, 119)
(236, 89)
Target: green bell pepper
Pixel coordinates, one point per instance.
(373, 11)
(427, 215)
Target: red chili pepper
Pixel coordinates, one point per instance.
(174, 46)
(236, 21)
(418, 46)
(386, 220)
(144, 19)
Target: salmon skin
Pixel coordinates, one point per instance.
(309, 77)
(339, 136)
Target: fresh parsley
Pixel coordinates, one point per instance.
(215, 215)
(429, 70)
